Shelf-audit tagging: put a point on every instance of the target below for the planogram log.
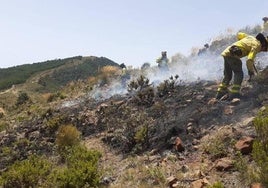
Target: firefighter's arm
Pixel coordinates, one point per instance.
(250, 67)
(250, 62)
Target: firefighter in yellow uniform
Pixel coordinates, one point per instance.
(248, 46)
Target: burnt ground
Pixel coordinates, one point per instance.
(133, 132)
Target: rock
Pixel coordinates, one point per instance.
(244, 145)
(256, 185)
(179, 145)
(263, 108)
(212, 101)
(228, 110)
(202, 183)
(235, 101)
(224, 164)
(153, 152)
(171, 181)
(2, 113)
(107, 180)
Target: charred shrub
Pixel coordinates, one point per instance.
(167, 86)
(158, 109)
(142, 92)
(127, 128)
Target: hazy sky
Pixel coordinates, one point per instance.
(125, 31)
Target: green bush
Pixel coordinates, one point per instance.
(257, 171)
(81, 169)
(55, 96)
(67, 135)
(22, 98)
(248, 173)
(216, 185)
(217, 145)
(54, 123)
(260, 146)
(31, 172)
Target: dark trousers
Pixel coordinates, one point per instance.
(232, 65)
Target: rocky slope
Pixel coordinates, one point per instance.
(179, 138)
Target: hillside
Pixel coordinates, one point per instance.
(53, 74)
(145, 128)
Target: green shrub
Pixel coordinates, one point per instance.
(4, 126)
(22, 98)
(217, 145)
(54, 123)
(157, 175)
(258, 171)
(55, 96)
(142, 138)
(67, 135)
(260, 146)
(216, 185)
(28, 173)
(81, 169)
(248, 172)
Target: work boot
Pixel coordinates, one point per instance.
(234, 95)
(220, 94)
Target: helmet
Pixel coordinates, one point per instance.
(164, 53)
(264, 43)
(265, 19)
(241, 35)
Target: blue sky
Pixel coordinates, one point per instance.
(125, 31)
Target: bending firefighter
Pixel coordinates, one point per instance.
(248, 46)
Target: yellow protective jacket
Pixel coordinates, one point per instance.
(249, 46)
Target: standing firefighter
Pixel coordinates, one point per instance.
(265, 26)
(247, 46)
(125, 76)
(163, 61)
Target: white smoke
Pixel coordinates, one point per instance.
(116, 87)
(204, 67)
(191, 69)
(207, 66)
